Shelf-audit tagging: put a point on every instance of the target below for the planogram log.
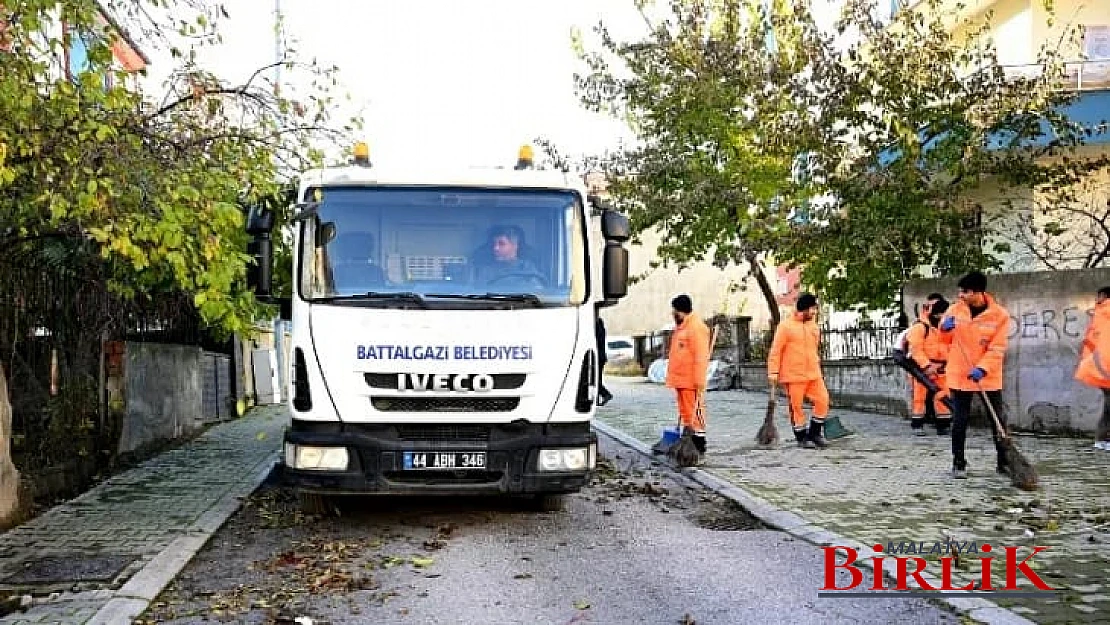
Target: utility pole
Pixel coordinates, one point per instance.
(279, 325)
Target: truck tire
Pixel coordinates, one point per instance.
(314, 503)
(549, 503)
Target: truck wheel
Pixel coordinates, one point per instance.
(314, 503)
(549, 503)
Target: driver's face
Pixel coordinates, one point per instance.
(504, 248)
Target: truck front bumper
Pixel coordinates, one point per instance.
(376, 454)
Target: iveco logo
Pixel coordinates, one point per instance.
(461, 382)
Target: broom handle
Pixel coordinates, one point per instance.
(986, 400)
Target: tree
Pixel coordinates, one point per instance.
(158, 187)
(718, 118)
(936, 126)
(864, 155)
(1066, 226)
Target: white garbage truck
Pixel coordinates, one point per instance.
(443, 329)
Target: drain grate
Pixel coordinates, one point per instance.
(727, 524)
(71, 568)
(725, 516)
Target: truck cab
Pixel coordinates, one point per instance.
(443, 331)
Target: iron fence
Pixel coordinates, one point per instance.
(852, 342)
(56, 313)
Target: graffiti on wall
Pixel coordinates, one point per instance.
(1048, 323)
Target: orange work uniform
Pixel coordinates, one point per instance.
(795, 359)
(1094, 356)
(977, 342)
(927, 347)
(687, 367)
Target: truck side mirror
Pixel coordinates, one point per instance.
(260, 275)
(615, 226)
(614, 278)
(285, 308)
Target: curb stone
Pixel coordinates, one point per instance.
(139, 592)
(979, 609)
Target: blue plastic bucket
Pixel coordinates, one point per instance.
(671, 434)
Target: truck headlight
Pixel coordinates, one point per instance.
(316, 458)
(568, 459)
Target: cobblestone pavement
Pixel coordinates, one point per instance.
(883, 484)
(108, 534)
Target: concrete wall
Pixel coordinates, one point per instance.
(1049, 313)
(869, 385)
(164, 393)
(647, 307)
(170, 391)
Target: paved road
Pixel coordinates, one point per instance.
(620, 553)
(884, 484)
(79, 556)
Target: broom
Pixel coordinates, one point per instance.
(1023, 474)
(768, 434)
(685, 452)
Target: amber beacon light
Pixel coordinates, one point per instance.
(524, 157)
(362, 154)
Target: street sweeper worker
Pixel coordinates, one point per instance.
(976, 329)
(1094, 362)
(688, 366)
(930, 352)
(795, 363)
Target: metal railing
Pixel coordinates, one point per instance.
(1091, 75)
(854, 342)
(1078, 75)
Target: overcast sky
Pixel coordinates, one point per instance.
(462, 80)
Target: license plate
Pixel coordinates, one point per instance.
(443, 460)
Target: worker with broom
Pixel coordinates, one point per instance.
(1094, 362)
(687, 367)
(931, 355)
(977, 329)
(795, 363)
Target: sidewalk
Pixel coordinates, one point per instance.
(885, 485)
(109, 552)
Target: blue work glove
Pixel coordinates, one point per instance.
(977, 374)
(948, 324)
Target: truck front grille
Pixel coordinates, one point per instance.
(445, 404)
(447, 432)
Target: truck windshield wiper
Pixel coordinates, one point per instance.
(401, 296)
(527, 298)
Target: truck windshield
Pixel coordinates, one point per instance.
(375, 246)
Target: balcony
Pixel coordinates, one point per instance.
(1090, 80)
(1078, 75)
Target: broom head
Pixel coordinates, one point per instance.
(1023, 474)
(685, 452)
(768, 434)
